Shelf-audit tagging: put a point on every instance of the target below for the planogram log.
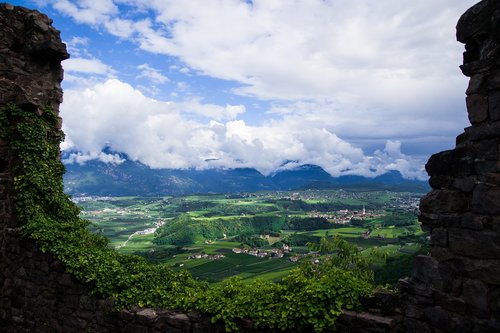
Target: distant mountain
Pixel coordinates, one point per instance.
(136, 179)
(300, 177)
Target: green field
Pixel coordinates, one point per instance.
(171, 229)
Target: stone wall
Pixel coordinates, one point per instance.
(457, 287)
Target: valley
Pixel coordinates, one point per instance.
(260, 234)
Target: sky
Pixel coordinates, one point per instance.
(357, 87)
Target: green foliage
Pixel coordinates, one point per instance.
(301, 205)
(312, 296)
(184, 229)
(297, 239)
(251, 240)
(345, 256)
(180, 231)
(304, 301)
(307, 223)
(228, 209)
(400, 218)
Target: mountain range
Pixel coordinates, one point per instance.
(96, 178)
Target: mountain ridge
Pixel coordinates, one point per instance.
(136, 179)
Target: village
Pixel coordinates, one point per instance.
(344, 216)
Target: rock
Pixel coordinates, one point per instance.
(460, 324)
(494, 105)
(475, 294)
(473, 222)
(477, 108)
(146, 315)
(486, 200)
(475, 84)
(444, 201)
(482, 244)
(438, 318)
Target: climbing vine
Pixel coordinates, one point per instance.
(304, 300)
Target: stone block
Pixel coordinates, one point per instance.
(483, 244)
(476, 296)
(136, 329)
(486, 326)
(490, 179)
(438, 317)
(477, 108)
(486, 270)
(495, 302)
(475, 84)
(482, 167)
(145, 316)
(426, 270)
(492, 79)
(494, 105)
(411, 325)
(473, 222)
(492, 223)
(464, 184)
(441, 253)
(486, 200)
(439, 236)
(452, 163)
(450, 303)
(461, 140)
(368, 321)
(176, 320)
(87, 303)
(444, 201)
(413, 311)
(429, 220)
(483, 131)
(460, 324)
(441, 182)
(486, 149)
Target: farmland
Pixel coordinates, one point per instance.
(261, 234)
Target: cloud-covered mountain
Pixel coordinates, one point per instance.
(134, 178)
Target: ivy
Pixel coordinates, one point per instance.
(310, 297)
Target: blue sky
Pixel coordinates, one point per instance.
(357, 87)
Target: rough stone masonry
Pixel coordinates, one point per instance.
(456, 288)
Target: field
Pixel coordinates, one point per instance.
(262, 234)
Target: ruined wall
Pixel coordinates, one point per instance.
(457, 288)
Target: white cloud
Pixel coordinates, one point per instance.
(338, 75)
(81, 158)
(163, 135)
(151, 74)
(120, 27)
(87, 11)
(76, 46)
(391, 158)
(372, 62)
(87, 66)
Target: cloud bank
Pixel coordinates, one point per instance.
(161, 135)
(342, 85)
